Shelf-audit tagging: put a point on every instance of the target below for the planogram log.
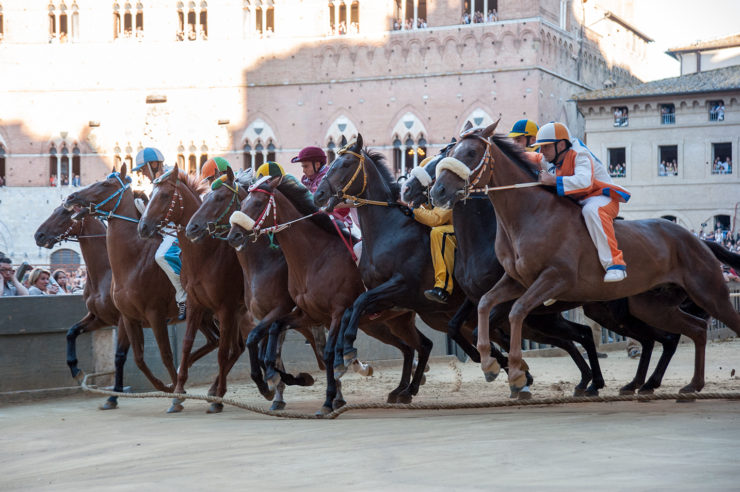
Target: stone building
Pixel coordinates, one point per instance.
(86, 83)
(674, 144)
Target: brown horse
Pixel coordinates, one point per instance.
(547, 254)
(265, 281)
(101, 311)
(323, 279)
(210, 275)
(140, 289)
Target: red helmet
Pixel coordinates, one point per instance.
(311, 154)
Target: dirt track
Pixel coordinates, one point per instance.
(68, 444)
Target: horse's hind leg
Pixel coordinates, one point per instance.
(453, 329)
(122, 347)
(161, 335)
(673, 319)
(195, 317)
(669, 342)
(136, 337)
(89, 323)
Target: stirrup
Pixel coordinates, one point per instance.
(615, 275)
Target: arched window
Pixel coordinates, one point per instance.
(354, 18)
(248, 156)
(127, 21)
(117, 161)
(139, 20)
(342, 18)
(270, 18)
(409, 154)
(180, 35)
(271, 151)
(203, 156)
(2, 24)
(192, 36)
(116, 20)
(63, 24)
(76, 161)
(66, 259)
(203, 20)
(397, 156)
(331, 153)
(53, 171)
(259, 157)
(332, 19)
(75, 22)
(52, 22)
(192, 164)
(3, 181)
(246, 18)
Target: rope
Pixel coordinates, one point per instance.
(412, 406)
(487, 188)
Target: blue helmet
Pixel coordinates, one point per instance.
(147, 155)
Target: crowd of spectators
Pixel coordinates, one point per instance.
(617, 170)
(621, 116)
(39, 281)
(668, 114)
(722, 167)
(728, 240)
(65, 180)
(398, 24)
(717, 111)
(668, 168)
(478, 17)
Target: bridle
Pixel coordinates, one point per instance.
(95, 208)
(271, 206)
(355, 199)
(215, 228)
(169, 216)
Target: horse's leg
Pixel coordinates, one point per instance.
(548, 285)
(331, 382)
(339, 367)
(255, 336)
(669, 342)
(673, 319)
(405, 328)
(122, 346)
(194, 321)
(272, 376)
(89, 323)
(278, 403)
(505, 290)
(230, 347)
(316, 336)
(136, 337)
(454, 325)
(368, 302)
(208, 329)
(161, 335)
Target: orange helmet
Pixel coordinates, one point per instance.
(214, 167)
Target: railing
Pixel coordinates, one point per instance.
(668, 119)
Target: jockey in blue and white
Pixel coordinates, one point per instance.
(150, 163)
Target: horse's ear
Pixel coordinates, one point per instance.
(174, 176)
(358, 144)
(123, 171)
(468, 126)
(275, 182)
(490, 129)
(229, 174)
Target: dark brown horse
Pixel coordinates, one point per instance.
(322, 277)
(101, 311)
(141, 291)
(547, 254)
(210, 275)
(265, 275)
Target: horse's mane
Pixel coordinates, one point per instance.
(515, 153)
(194, 183)
(302, 199)
(385, 173)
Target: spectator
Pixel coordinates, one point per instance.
(76, 180)
(727, 166)
(10, 286)
(53, 180)
(730, 274)
(2, 181)
(721, 112)
(39, 280)
(662, 169)
(62, 280)
(65, 180)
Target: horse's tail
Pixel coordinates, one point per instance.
(722, 254)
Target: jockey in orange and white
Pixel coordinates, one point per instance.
(577, 173)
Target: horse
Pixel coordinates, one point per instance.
(211, 277)
(395, 264)
(141, 291)
(548, 255)
(478, 269)
(323, 279)
(101, 311)
(265, 287)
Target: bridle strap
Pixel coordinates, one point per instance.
(360, 166)
(215, 226)
(95, 208)
(171, 210)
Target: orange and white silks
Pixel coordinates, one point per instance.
(587, 180)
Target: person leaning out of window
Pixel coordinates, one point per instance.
(10, 286)
(39, 281)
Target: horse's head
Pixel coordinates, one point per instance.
(165, 204)
(59, 226)
(212, 217)
(256, 209)
(466, 163)
(346, 176)
(101, 197)
(417, 186)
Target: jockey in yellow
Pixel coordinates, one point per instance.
(443, 246)
(524, 133)
(576, 172)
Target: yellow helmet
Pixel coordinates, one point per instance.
(270, 168)
(426, 160)
(523, 128)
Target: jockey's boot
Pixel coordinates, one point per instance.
(615, 275)
(437, 294)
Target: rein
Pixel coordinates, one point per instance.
(68, 235)
(94, 208)
(215, 228)
(356, 200)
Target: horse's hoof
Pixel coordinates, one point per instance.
(215, 408)
(646, 391)
(277, 406)
(273, 382)
(304, 379)
(524, 394)
(579, 391)
(110, 404)
(592, 392)
(686, 390)
(175, 408)
(79, 376)
(405, 397)
(490, 376)
(423, 380)
(337, 404)
(392, 398)
(626, 391)
(323, 411)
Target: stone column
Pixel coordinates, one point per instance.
(59, 170)
(416, 13)
(403, 15)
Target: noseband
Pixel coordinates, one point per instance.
(215, 228)
(95, 208)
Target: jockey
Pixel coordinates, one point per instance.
(213, 168)
(443, 245)
(150, 163)
(576, 172)
(524, 133)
